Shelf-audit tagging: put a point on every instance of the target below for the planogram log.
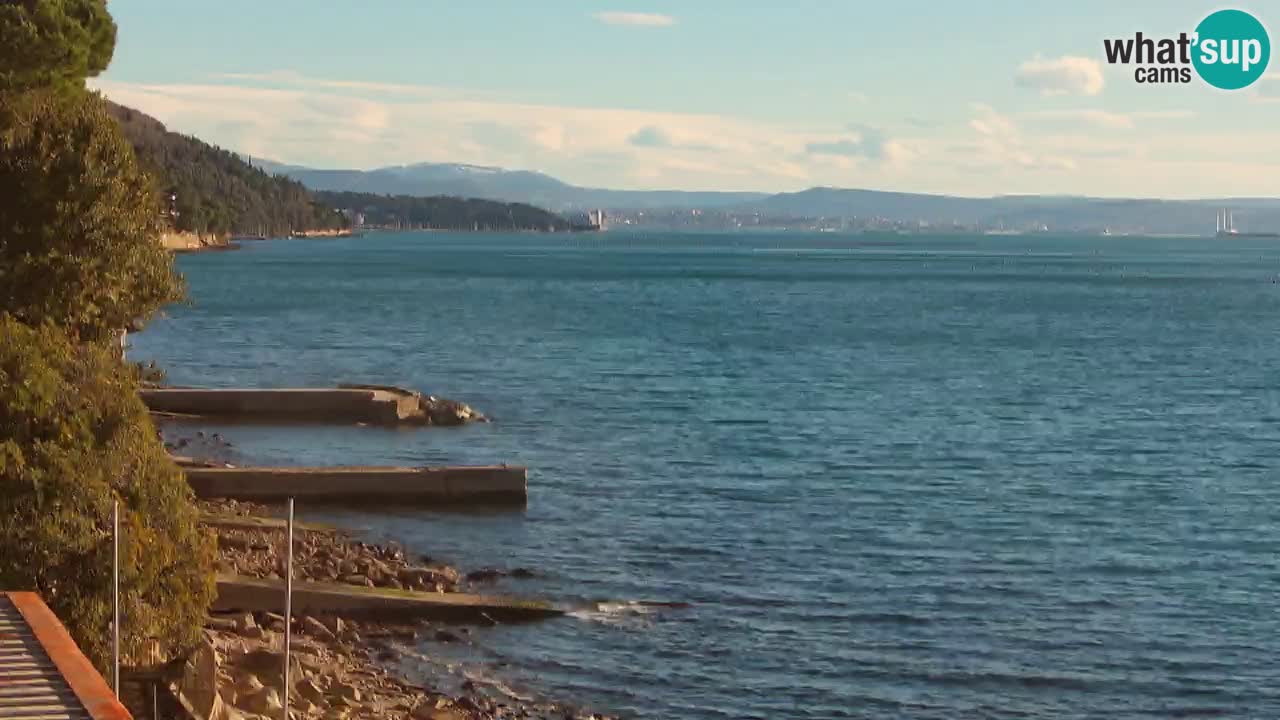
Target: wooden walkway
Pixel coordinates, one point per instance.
(43, 674)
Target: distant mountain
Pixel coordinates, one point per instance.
(477, 181)
(1022, 211)
(1056, 212)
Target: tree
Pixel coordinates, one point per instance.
(74, 436)
(79, 259)
(80, 248)
(53, 43)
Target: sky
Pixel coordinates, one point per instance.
(940, 96)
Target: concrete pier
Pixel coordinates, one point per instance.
(236, 593)
(372, 404)
(481, 485)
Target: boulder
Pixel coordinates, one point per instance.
(198, 687)
(347, 691)
(316, 629)
(221, 624)
(308, 689)
(264, 702)
(335, 625)
(485, 575)
(244, 622)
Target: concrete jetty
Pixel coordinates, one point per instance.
(480, 485)
(372, 404)
(236, 593)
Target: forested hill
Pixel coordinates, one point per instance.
(216, 190)
(443, 213)
(219, 192)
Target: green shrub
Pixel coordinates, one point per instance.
(74, 436)
(79, 227)
(49, 43)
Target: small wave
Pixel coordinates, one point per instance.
(625, 612)
(497, 685)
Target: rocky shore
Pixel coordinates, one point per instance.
(188, 242)
(341, 668)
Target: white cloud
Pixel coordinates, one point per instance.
(1109, 120)
(345, 123)
(1001, 144)
(325, 123)
(991, 123)
(1066, 75)
(635, 18)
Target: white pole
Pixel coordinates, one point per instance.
(115, 598)
(288, 607)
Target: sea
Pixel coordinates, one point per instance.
(893, 476)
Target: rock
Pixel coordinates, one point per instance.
(308, 689)
(274, 622)
(233, 542)
(484, 575)
(335, 625)
(336, 713)
(221, 624)
(264, 702)
(300, 705)
(521, 573)
(245, 686)
(357, 580)
(315, 628)
(346, 691)
(244, 622)
(199, 683)
(445, 636)
(268, 666)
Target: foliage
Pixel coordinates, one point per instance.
(52, 43)
(217, 191)
(444, 213)
(74, 436)
(79, 249)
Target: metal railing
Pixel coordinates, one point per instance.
(115, 610)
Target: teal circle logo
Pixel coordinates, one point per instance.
(1232, 49)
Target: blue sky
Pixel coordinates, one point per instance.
(955, 97)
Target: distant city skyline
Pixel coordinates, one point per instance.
(915, 96)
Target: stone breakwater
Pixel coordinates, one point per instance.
(369, 404)
(339, 667)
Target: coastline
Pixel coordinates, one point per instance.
(343, 667)
(348, 663)
(191, 242)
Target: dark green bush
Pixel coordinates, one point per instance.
(74, 436)
(80, 222)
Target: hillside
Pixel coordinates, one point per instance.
(443, 213)
(1059, 213)
(1063, 213)
(216, 190)
(425, 179)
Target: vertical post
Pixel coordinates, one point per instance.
(288, 607)
(115, 598)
